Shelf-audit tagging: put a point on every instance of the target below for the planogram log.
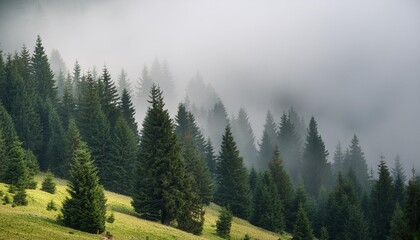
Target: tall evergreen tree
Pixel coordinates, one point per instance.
(86, 208)
(3, 155)
(268, 211)
(412, 206)
(398, 230)
(77, 78)
(163, 190)
(123, 83)
(356, 160)
(42, 73)
(108, 95)
(268, 142)
(128, 112)
(338, 159)
(144, 86)
(382, 202)
(67, 107)
(290, 145)
(232, 178)
(210, 158)
(245, 139)
(17, 172)
(399, 178)
(316, 171)
(217, 122)
(302, 229)
(284, 187)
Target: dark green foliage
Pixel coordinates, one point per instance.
(95, 129)
(17, 172)
(300, 199)
(110, 218)
(316, 171)
(232, 178)
(51, 206)
(324, 234)
(43, 75)
(356, 161)
(124, 161)
(399, 178)
(302, 229)
(48, 185)
(67, 106)
(246, 237)
(210, 158)
(76, 83)
(191, 140)
(412, 206)
(284, 187)
(224, 223)
(382, 202)
(399, 229)
(56, 142)
(72, 141)
(108, 95)
(164, 190)
(290, 145)
(85, 210)
(3, 155)
(253, 178)
(128, 112)
(267, 143)
(244, 138)
(6, 199)
(20, 198)
(338, 159)
(343, 212)
(7, 125)
(268, 211)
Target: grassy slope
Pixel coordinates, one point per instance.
(35, 222)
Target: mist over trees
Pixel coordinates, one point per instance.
(83, 128)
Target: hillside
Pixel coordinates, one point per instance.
(35, 222)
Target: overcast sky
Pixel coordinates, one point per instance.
(354, 65)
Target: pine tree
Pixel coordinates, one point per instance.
(356, 160)
(245, 139)
(77, 78)
(85, 210)
(338, 159)
(42, 73)
(128, 112)
(268, 211)
(253, 177)
(56, 140)
(290, 145)
(356, 227)
(398, 230)
(224, 223)
(17, 172)
(67, 107)
(20, 197)
(163, 189)
(108, 95)
(72, 142)
(48, 184)
(232, 178)
(399, 178)
(302, 229)
(382, 202)
(316, 171)
(210, 158)
(267, 143)
(6, 122)
(282, 183)
(412, 205)
(124, 161)
(123, 83)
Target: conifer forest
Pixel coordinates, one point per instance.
(297, 117)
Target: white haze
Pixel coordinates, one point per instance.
(354, 65)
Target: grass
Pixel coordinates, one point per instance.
(34, 222)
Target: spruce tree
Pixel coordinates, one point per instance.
(282, 182)
(217, 121)
(412, 205)
(356, 160)
(399, 229)
(210, 158)
(268, 211)
(85, 209)
(56, 140)
(128, 112)
(302, 229)
(224, 223)
(48, 184)
(232, 178)
(108, 95)
(245, 139)
(316, 171)
(382, 202)
(338, 159)
(267, 143)
(17, 172)
(3, 155)
(67, 107)
(76, 80)
(163, 189)
(399, 178)
(290, 146)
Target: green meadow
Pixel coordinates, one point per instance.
(34, 222)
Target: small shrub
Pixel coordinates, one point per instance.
(60, 218)
(1, 193)
(246, 237)
(111, 218)
(20, 198)
(51, 206)
(12, 189)
(7, 199)
(48, 185)
(224, 223)
(32, 184)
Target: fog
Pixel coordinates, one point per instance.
(353, 65)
